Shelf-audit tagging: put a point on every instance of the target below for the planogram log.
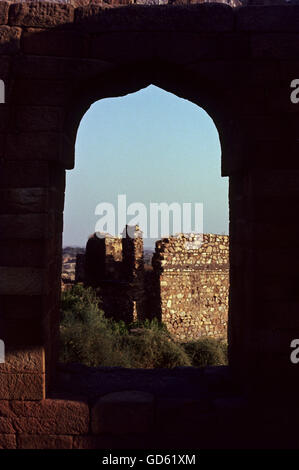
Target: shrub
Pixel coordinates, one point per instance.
(89, 338)
(152, 347)
(86, 336)
(206, 352)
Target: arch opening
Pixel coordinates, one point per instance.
(150, 154)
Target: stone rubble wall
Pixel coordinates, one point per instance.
(194, 285)
(188, 289)
(114, 265)
(237, 64)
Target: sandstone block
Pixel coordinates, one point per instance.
(26, 226)
(123, 412)
(275, 46)
(40, 67)
(29, 441)
(38, 118)
(35, 92)
(4, 7)
(197, 18)
(9, 40)
(51, 416)
(40, 14)
(23, 200)
(22, 386)
(265, 19)
(55, 43)
(8, 441)
(44, 146)
(26, 360)
(20, 174)
(18, 281)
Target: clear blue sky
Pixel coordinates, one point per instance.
(151, 146)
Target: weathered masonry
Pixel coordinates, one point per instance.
(56, 59)
(193, 283)
(187, 289)
(115, 265)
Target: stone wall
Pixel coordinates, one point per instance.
(237, 64)
(114, 266)
(187, 289)
(193, 275)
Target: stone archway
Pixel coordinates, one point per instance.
(236, 64)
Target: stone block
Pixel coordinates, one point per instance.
(35, 92)
(25, 305)
(8, 441)
(4, 7)
(270, 182)
(119, 47)
(18, 281)
(41, 145)
(264, 19)
(26, 360)
(9, 40)
(275, 46)
(187, 415)
(27, 226)
(108, 441)
(22, 174)
(278, 314)
(123, 412)
(24, 200)
(38, 118)
(6, 426)
(50, 416)
(55, 43)
(40, 14)
(234, 72)
(176, 48)
(39, 67)
(197, 18)
(22, 386)
(29, 441)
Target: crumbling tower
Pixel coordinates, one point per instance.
(114, 265)
(133, 268)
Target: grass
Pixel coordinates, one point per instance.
(89, 338)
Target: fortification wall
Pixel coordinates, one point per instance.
(193, 274)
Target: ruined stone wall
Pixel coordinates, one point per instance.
(237, 64)
(188, 289)
(194, 281)
(114, 265)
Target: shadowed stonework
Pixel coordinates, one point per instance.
(237, 64)
(187, 289)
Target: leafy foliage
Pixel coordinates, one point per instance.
(206, 352)
(88, 337)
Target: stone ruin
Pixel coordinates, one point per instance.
(114, 265)
(187, 289)
(193, 285)
(238, 64)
